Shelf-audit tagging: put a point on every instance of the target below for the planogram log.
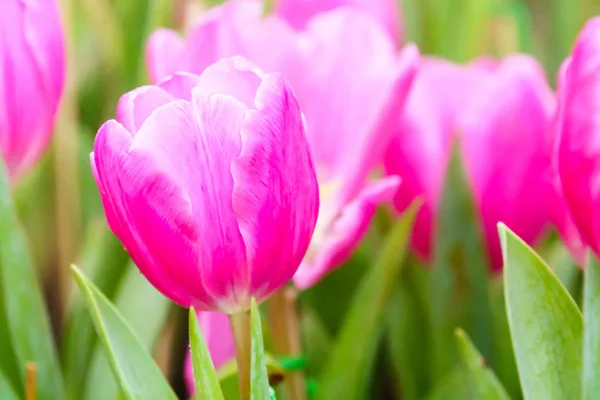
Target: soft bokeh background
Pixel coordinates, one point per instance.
(59, 203)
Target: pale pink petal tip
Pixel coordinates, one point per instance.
(342, 238)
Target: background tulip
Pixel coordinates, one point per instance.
(347, 92)
(579, 130)
(299, 12)
(32, 64)
(500, 113)
(199, 181)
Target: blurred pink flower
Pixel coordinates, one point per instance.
(579, 129)
(208, 182)
(299, 12)
(350, 83)
(217, 334)
(32, 69)
(500, 113)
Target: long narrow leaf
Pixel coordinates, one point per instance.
(104, 261)
(133, 297)
(259, 379)
(138, 375)
(591, 335)
(347, 371)
(458, 293)
(25, 315)
(545, 324)
(482, 382)
(205, 376)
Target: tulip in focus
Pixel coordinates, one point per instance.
(351, 85)
(32, 69)
(219, 340)
(579, 129)
(500, 113)
(208, 182)
(299, 12)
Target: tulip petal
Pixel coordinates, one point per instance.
(164, 53)
(31, 80)
(235, 77)
(136, 198)
(511, 121)
(579, 148)
(180, 85)
(351, 60)
(136, 106)
(420, 149)
(347, 231)
(298, 12)
(197, 156)
(275, 195)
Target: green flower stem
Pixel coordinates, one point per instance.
(240, 326)
(285, 329)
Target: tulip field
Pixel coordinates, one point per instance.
(299, 199)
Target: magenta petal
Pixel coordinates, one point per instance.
(579, 147)
(180, 85)
(298, 12)
(235, 77)
(346, 231)
(32, 61)
(164, 53)
(275, 194)
(134, 107)
(374, 138)
(223, 255)
(197, 156)
(135, 197)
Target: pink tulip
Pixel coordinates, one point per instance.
(217, 334)
(501, 114)
(32, 71)
(208, 182)
(579, 129)
(299, 12)
(350, 83)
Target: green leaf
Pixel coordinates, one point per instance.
(504, 364)
(591, 335)
(229, 380)
(317, 340)
(470, 40)
(6, 390)
(27, 330)
(545, 324)
(105, 262)
(259, 380)
(566, 20)
(138, 375)
(205, 377)
(451, 387)
(346, 374)
(134, 296)
(482, 382)
(458, 294)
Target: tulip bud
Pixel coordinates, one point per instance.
(579, 128)
(32, 64)
(500, 114)
(208, 182)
